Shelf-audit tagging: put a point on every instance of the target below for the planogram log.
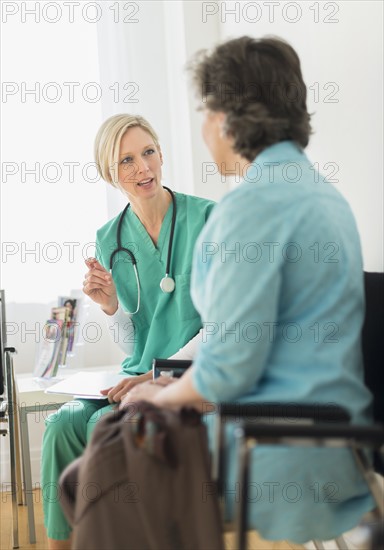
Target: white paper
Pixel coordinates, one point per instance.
(87, 384)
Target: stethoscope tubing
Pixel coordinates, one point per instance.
(132, 256)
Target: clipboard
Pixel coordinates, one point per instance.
(87, 384)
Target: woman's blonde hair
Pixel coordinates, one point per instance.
(107, 144)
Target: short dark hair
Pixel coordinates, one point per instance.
(258, 84)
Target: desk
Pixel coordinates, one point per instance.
(31, 397)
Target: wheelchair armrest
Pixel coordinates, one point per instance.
(370, 436)
(176, 367)
(292, 411)
(269, 413)
(337, 435)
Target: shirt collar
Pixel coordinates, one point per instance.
(280, 152)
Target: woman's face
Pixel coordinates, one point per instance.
(139, 167)
(217, 142)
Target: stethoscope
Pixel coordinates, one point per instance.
(167, 283)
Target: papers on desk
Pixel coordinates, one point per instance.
(87, 384)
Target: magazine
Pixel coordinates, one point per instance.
(72, 306)
(47, 363)
(59, 334)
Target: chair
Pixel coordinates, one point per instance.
(355, 437)
(8, 416)
(339, 433)
(373, 350)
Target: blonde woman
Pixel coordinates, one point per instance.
(140, 279)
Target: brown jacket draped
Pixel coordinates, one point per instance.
(142, 483)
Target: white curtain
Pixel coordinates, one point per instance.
(144, 60)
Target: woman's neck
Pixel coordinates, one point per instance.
(151, 212)
(236, 164)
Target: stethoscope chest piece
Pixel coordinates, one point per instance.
(167, 284)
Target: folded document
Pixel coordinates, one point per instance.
(87, 384)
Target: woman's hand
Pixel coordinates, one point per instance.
(146, 392)
(116, 393)
(99, 286)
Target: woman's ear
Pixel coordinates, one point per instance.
(221, 120)
(161, 156)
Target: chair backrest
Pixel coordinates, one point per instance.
(373, 336)
(3, 343)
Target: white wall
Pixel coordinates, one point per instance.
(341, 48)
(51, 203)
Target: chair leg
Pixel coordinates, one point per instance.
(216, 448)
(27, 475)
(341, 543)
(12, 447)
(17, 448)
(241, 519)
(370, 478)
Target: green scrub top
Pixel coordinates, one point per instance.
(164, 322)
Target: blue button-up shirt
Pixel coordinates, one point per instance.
(278, 281)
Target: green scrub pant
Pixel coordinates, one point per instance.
(66, 435)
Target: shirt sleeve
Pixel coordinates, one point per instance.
(235, 286)
(122, 330)
(188, 352)
(120, 324)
